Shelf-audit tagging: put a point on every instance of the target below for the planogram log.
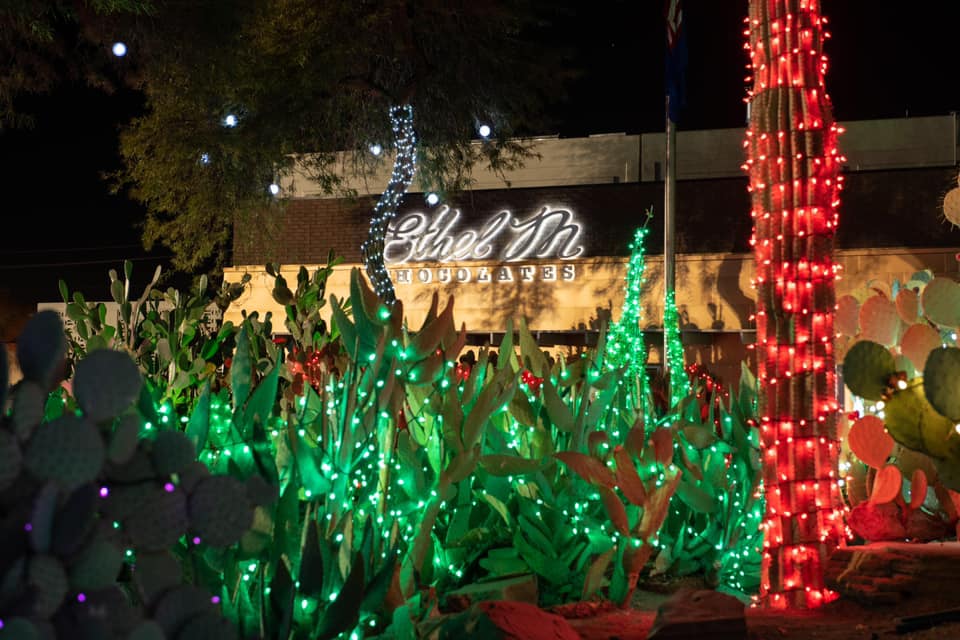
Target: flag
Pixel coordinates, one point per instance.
(676, 58)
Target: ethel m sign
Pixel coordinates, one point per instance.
(551, 232)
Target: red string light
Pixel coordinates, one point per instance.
(794, 168)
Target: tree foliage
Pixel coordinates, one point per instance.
(306, 80)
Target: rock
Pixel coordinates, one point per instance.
(518, 589)
(705, 614)
(892, 572)
(876, 523)
(503, 620)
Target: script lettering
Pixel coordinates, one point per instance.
(437, 237)
(538, 234)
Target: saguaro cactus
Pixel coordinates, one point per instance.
(794, 169)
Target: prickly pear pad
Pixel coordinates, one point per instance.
(941, 381)
(867, 368)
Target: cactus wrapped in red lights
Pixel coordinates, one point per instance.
(794, 169)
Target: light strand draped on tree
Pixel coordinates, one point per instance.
(404, 167)
(794, 183)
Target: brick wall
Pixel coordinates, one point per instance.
(879, 209)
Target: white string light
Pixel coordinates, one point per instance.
(404, 166)
(119, 49)
(432, 199)
(376, 149)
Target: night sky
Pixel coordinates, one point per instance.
(888, 59)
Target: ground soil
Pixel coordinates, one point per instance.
(839, 620)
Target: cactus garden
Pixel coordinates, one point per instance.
(165, 476)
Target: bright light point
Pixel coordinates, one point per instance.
(432, 199)
(956, 428)
(204, 158)
(901, 384)
(230, 120)
(119, 49)
(376, 149)
(274, 188)
(484, 131)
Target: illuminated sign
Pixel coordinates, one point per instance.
(496, 274)
(419, 237)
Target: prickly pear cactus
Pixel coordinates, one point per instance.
(941, 381)
(68, 451)
(220, 511)
(84, 492)
(867, 369)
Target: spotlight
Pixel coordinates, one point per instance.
(230, 120)
(484, 131)
(432, 199)
(119, 49)
(376, 149)
(274, 188)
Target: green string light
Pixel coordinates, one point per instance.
(673, 358)
(625, 345)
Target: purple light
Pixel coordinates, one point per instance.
(81, 597)
(215, 599)
(196, 539)
(169, 487)
(104, 492)
(28, 527)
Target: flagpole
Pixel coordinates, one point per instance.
(669, 228)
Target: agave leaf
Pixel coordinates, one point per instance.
(533, 356)
(198, 426)
(346, 328)
(588, 468)
(508, 465)
(260, 407)
(658, 503)
(311, 573)
(593, 581)
(627, 477)
(540, 563)
(522, 410)
(615, 510)
(241, 370)
(376, 591)
(499, 507)
(696, 498)
(428, 339)
(557, 411)
(280, 601)
(700, 436)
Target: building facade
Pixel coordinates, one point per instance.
(550, 242)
